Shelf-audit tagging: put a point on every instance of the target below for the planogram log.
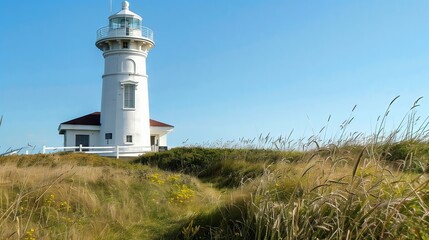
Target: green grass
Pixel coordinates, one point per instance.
(329, 192)
(408, 155)
(345, 194)
(225, 168)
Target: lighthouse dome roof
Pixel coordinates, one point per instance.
(126, 12)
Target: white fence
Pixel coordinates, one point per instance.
(117, 151)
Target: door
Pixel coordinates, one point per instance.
(82, 139)
(154, 143)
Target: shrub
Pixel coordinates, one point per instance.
(223, 167)
(408, 155)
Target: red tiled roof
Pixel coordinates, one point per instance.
(90, 119)
(154, 123)
(94, 119)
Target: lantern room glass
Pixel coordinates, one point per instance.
(125, 22)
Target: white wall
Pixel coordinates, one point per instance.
(122, 66)
(161, 134)
(163, 140)
(70, 137)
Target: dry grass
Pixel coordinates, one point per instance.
(324, 197)
(330, 193)
(70, 198)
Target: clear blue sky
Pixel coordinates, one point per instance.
(220, 69)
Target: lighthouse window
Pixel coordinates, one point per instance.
(135, 24)
(125, 23)
(117, 23)
(129, 96)
(125, 45)
(129, 139)
(108, 136)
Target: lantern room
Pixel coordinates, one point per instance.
(125, 19)
(124, 25)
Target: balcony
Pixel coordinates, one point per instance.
(142, 33)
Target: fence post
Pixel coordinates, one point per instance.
(80, 147)
(117, 152)
(44, 149)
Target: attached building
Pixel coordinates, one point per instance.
(85, 131)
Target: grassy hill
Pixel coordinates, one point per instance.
(352, 192)
(78, 196)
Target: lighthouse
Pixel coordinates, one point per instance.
(124, 121)
(125, 44)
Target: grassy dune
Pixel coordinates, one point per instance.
(348, 192)
(352, 192)
(77, 196)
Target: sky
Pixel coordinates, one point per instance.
(220, 70)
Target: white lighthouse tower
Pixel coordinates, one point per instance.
(125, 102)
(123, 123)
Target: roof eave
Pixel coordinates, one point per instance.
(64, 127)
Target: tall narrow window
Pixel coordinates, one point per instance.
(129, 96)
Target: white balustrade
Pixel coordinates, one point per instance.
(108, 32)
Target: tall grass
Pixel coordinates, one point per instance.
(355, 187)
(78, 196)
(325, 199)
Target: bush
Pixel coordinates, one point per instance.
(409, 155)
(223, 167)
